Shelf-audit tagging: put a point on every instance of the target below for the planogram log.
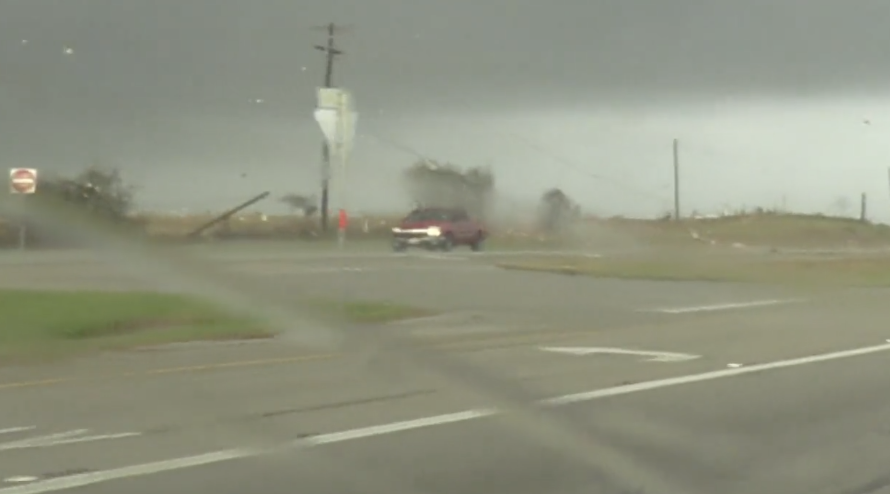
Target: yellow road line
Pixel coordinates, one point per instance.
(34, 384)
(234, 365)
(467, 345)
(509, 340)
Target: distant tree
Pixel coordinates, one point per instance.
(302, 203)
(556, 211)
(98, 189)
(841, 206)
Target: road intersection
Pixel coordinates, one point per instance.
(208, 418)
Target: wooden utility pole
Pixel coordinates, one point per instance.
(677, 179)
(330, 52)
(863, 207)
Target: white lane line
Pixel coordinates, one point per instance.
(20, 479)
(275, 271)
(280, 270)
(539, 253)
(728, 306)
(11, 430)
(710, 376)
(652, 356)
(85, 479)
(379, 430)
(62, 438)
(34, 442)
(440, 257)
(103, 437)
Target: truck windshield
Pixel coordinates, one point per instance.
(428, 215)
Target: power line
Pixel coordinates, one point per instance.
(399, 146)
(562, 160)
(566, 163)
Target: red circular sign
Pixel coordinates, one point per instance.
(23, 180)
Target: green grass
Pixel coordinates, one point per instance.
(48, 324)
(860, 271)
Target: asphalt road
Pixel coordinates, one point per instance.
(804, 430)
(759, 414)
(455, 282)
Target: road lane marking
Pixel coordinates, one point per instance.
(710, 376)
(442, 257)
(33, 384)
(20, 479)
(477, 342)
(651, 355)
(727, 306)
(36, 442)
(391, 428)
(10, 430)
(85, 479)
(63, 438)
(85, 439)
(497, 341)
(235, 364)
(278, 270)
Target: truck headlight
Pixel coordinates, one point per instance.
(433, 231)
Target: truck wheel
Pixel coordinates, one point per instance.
(399, 247)
(476, 246)
(447, 243)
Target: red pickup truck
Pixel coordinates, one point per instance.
(438, 229)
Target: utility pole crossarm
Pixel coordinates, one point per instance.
(327, 49)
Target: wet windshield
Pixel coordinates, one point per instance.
(665, 268)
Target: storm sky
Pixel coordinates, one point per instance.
(205, 102)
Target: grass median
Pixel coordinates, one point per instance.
(40, 325)
(849, 271)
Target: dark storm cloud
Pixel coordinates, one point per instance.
(211, 55)
(171, 89)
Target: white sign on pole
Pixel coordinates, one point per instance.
(336, 118)
(330, 97)
(328, 119)
(22, 180)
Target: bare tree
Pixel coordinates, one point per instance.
(98, 190)
(430, 183)
(556, 211)
(304, 204)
